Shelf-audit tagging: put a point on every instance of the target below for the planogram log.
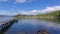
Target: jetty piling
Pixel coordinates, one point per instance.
(7, 23)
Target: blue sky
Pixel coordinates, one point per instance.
(28, 7)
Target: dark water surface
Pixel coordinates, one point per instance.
(31, 26)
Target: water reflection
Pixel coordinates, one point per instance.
(51, 22)
(3, 30)
(31, 26)
(56, 20)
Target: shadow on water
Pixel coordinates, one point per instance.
(56, 20)
(3, 30)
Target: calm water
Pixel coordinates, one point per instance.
(31, 26)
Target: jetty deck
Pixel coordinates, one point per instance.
(6, 22)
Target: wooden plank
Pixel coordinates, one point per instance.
(6, 21)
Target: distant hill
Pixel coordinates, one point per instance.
(53, 14)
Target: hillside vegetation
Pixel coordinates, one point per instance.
(54, 14)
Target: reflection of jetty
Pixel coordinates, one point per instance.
(42, 31)
(6, 24)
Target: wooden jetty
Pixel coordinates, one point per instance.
(7, 23)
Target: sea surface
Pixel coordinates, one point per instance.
(32, 26)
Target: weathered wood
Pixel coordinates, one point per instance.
(8, 22)
(4, 29)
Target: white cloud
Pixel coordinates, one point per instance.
(46, 10)
(23, 1)
(3, 12)
(17, 1)
(3, 0)
(50, 9)
(32, 12)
